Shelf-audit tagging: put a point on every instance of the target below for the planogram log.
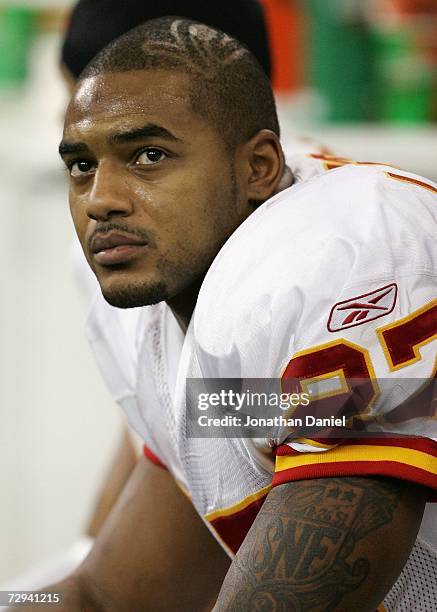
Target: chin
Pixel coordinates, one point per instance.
(135, 295)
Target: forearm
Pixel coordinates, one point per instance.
(76, 595)
(122, 465)
(326, 544)
(153, 553)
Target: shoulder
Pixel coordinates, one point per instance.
(354, 228)
(351, 201)
(341, 210)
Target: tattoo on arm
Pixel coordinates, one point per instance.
(296, 556)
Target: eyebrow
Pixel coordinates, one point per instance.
(151, 130)
(72, 147)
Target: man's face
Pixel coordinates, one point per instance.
(153, 192)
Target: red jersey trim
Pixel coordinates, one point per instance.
(425, 445)
(153, 458)
(232, 524)
(412, 459)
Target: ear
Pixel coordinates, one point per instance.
(265, 165)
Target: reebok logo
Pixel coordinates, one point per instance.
(363, 308)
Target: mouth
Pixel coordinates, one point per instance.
(116, 248)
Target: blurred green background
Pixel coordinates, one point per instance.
(360, 60)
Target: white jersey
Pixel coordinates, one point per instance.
(333, 278)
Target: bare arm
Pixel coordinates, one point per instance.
(122, 464)
(152, 553)
(325, 544)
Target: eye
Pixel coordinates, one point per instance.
(81, 167)
(150, 156)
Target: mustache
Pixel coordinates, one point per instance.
(111, 226)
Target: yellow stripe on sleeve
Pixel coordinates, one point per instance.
(363, 452)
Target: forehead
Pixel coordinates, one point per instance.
(117, 100)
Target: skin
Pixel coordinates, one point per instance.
(178, 188)
(121, 466)
(125, 458)
(316, 545)
(153, 553)
(324, 544)
(126, 455)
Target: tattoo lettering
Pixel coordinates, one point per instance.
(296, 557)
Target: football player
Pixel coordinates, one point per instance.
(177, 194)
(91, 26)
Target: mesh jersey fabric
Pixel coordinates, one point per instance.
(145, 359)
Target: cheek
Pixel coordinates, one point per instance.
(192, 210)
(75, 215)
(207, 216)
(146, 196)
(80, 220)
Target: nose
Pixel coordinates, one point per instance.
(109, 194)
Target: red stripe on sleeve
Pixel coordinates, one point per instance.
(391, 469)
(418, 467)
(153, 458)
(425, 445)
(233, 528)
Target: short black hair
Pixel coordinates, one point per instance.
(93, 24)
(227, 85)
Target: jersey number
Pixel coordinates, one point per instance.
(330, 365)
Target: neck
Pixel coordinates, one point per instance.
(182, 305)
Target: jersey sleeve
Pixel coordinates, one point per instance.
(388, 335)
(341, 296)
(413, 459)
(150, 455)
